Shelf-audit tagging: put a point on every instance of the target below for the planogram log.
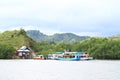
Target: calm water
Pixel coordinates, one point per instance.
(59, 70)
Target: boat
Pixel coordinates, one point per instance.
(52, 56)
(86, 58)
(68, 59)
(38, 57)
(73, 56)
(68, 56)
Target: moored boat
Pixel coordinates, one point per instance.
(73, 56)
(86, 58)
(38, 57)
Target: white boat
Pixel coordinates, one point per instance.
(86, 58)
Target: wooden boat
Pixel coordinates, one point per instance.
(38, 57)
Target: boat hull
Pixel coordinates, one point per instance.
(74, 59)
(38, 59)
(67, 59)
(87, 58)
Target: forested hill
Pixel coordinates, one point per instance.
(10, 41)
(57, 38)
(101, 48)
(15, 38)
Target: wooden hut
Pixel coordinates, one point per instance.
(24, 52)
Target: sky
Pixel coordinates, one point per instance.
(81, 17)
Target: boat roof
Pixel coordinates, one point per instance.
(59, 52)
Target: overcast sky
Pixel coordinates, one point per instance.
(82, 17)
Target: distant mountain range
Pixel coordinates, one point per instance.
(57, 38)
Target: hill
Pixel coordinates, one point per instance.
(16, 38)
(10, 41)
(57, 38)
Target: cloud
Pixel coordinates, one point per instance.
(85, 16)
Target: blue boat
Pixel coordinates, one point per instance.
(72, 56)
(76, 58)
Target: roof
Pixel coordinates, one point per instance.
(24, 49)
(59, 52)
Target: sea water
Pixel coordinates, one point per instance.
(59, 70)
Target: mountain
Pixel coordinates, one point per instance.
(57, 38)
(36, 35)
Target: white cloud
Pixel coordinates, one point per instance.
(63, 9)
(24, 27)
(83, 15)
(90, 34)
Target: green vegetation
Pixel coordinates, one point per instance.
(6, 51)
(10, 41)
(99, 48)
(14, 38)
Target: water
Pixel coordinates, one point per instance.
(59, 70)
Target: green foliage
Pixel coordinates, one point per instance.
(22, 32)
(16, 38)
(6, 51)
(100, 48)
(13, 39)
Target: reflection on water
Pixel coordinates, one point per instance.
(59, 70)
